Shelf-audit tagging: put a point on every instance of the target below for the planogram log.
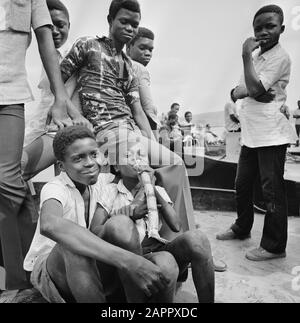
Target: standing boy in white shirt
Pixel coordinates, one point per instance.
(265, 135)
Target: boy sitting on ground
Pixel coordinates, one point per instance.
(77, 253)
(126, 196)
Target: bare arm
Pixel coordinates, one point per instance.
(254, 86)
(78, 239)
(62, 107)
(168, 213)
(99, 219)
(83, 242)
(51, 65)
(141, 120)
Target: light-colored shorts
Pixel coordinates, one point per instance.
(41, 281)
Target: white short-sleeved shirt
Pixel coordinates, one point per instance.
(62, 189)
(230, 109)
(263, 124)
(115, 196)
(17, 17)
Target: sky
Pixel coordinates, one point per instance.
(198, 46)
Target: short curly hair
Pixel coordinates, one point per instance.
(143, 32)
(58, 5)
(66, 137)
(270, 8)
(117, 5)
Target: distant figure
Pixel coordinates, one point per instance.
(175, 107)
(232, 122)
(210, 137)
(296, 116)
(187, 125)
(170, 134)
(233, 131)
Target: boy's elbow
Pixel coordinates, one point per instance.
(177, 227)
(47, 227)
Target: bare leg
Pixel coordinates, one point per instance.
(193, 247)
(37, 156)
(76, 277)
(121, 231)
(169, 267)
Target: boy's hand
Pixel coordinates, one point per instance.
(267, 97)
(250, 45)
(77, 118)
(59, 115)
(147, 276)
(64, 114)
(140, 209)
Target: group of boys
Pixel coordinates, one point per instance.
(76, 237)
(91, 242)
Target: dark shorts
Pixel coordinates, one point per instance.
(150, 245)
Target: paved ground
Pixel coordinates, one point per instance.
(245, 281)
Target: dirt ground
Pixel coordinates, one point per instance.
(275, 281)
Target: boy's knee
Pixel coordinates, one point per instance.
(197, 244)
(74, 260)
(121, 231)
(168, 265)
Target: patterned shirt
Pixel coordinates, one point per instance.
(105, 96)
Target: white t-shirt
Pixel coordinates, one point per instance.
(62, 189)
(263, 124)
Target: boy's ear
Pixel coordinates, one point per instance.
(282, 28)
(61, 165)
(109, 20)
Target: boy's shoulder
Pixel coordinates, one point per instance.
(83, 40)
(278, 52)
(60, 181)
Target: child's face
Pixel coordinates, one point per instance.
(189, 117)
(267, 29)
(125, 26)
(61, 27)
(173, 121)
(135, 154)
(141, 51)
(81, 161)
